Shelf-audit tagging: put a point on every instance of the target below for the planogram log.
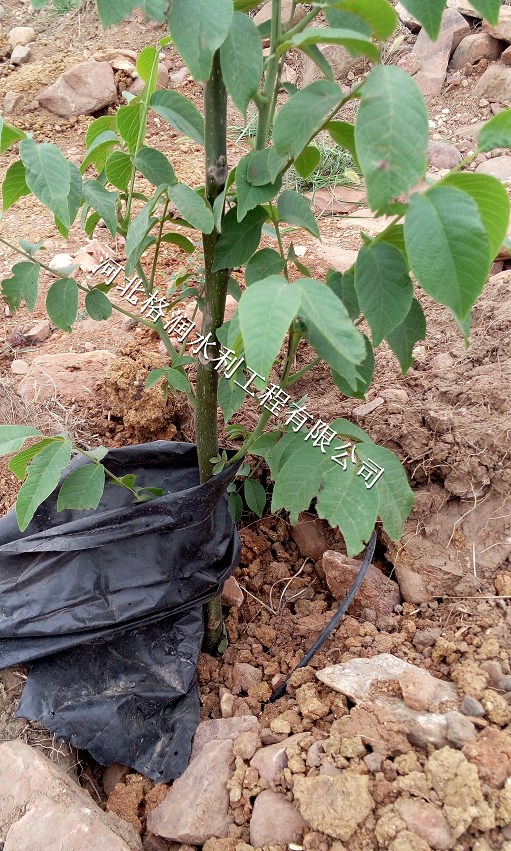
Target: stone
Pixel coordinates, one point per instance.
(496, 707)
(367, 408)
(21, 36)
(81, 90)
(39, 333)
(443, 155)
(136, 87)
(495, 84)
(471, 706)
(427, 821)
(20, 54)
(503, 29)
(247, 744)
(363, 679)
(197, 806)
(114, 774)
(274, 820)
(68, 374)
(62, 263)
(271, 760)
(434, 55)
(163, 76)
(232, 595)
(335, 255)
(264, 14)
(11, 101)
(334, 805)
(409, 63)
(336, 200)
(339, 58)
(311, 535)
(179, 76)
(473, 48)
(376, 592)
(244, 676)
(40, 806)
(491, 754)
(412, 585)
(406, 840)
(407, 18)
(498, 167)
(221, 730)
(505, 57)
(19, 367)
(459, 729)
(377, 726)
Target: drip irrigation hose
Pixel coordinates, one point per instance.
(334, 623)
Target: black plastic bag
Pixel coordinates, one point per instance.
(124, 586)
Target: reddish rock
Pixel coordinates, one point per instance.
(334, 805)
(376, 592)
(275, 820)
(503, 29)
(412, 585)
(81, 90)
(221, 729)
(232, 595)
(68, 374)
(495, 84)
(39, 803)
(473, 48)
(443, 155)
(427, 821)
(434, 55)
(21, 36)
(506, 59)
(409, 63)
(491, 754)
(378, 727)
(336, 200)
(271, 760)
(498, 167)
(244, 676)
(114, 774)
(197, 806)
(39, 333)
(311, 535)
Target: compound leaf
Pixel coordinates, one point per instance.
(83, 488)
(43, 477)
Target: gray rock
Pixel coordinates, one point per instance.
(11, 101)
(221, 730)
(505, 682)
(442, 155)
(275, 820)
(21, 35)
(20, 54)
(459, 729)
(495, 84)
(471, 706)
(427, 821)
(412, 585)
(42, 807)
(197, 806)
(407, 18)
(499, 167)
(39, 333)
(244, 676)
(19, 367)
(503, 29)
(81, 90)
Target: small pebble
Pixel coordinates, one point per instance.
(471, 706)
(19, 367)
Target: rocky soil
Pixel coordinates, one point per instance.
(398, 734)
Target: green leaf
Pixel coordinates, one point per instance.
(379, 15)
(230, 397)
(199, 28)
(496, 133)
(403, 338)
(62, 303)
(255, 496)
(355, 42)
(145, 62)
(129, 121)
(303, 115)
(343, 19)
(91, 224)
(177, 380)
(319, 59)
(100, 148)
(307, 161)
(428, 14)
(262, 264)
(52, 179)
(19, 463)
(294, 209)
(265, 166)
(266, 310)
(14, 186)
(192, 207)
(263, 445)
(250, 196)
(394, 235)
(22, 286)
(9, 135)
(344, 288)
(42, 479)
(492, 201)
(330, 330)
(98, 305)
(365, 372)
(31, 247)
(119, 169)
(395, 498)
(447, 247)
(299, 479)
(112, 13)
(180, 113)
(383, 286)
(489, 9)
(155, 167)
(343, 134)
(103, 201)
(97, 127)
(13, 437)
(235, 505)
(345, 502)
(154, 376)
(138, 230)
(180, 240)
(83, 488)
(391, 135)
(243, 43)
(238, 240)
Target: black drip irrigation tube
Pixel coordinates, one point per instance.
(334, 623)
